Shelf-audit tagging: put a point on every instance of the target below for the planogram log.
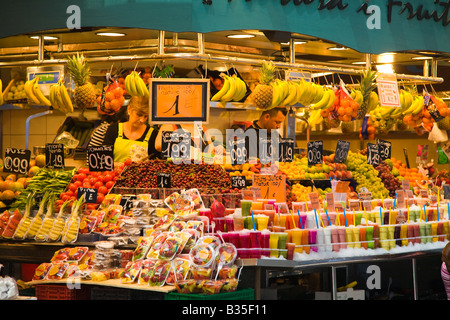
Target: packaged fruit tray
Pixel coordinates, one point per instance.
(240, 294)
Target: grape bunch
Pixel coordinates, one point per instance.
(389, 180)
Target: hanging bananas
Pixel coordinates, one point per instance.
(59, 98)
(234, 89)
(326, 101)
(135, 85)
(1, 92)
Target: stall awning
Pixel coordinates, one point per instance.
(373, 26)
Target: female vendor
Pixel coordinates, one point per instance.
(133, 139)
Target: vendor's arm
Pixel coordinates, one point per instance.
(111, 134)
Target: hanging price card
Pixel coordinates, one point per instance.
(237, 150)
(272, 186)
(101, 158)
(388, 90)
(315, 152)
(54, 155)
(373, 156)
(177, 100)
(446, 189)
(176, 145)
(341, 153)
(16, 160)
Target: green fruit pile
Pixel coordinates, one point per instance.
(366, 175)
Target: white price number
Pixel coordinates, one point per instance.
(16, 160)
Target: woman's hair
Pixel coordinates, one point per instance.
(139, 104)
(446, 255)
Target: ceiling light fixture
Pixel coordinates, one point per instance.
(295, 42)
(111, 34)
(240, 36)
(422, 58)
(45, 37)
(337, 48)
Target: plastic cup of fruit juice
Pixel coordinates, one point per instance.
(229, 222)
(255, 239)
(220, 224)
(384, 236)
(362, 236)
(273, 240)
(263, 221)
(265, 238)
(246, 206)
(282, 237)
(422, 232)
(356, 239)
(341, 235)
(257, 205)
(244, 239)
(233, 238)
(290, 250)
(369, 237)
(335, 239)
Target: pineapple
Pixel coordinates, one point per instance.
(84, 94)
(367, 85)
(262, 95)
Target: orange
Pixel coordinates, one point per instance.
(346, 118)
(109, 96)
(354, 105)
(348, 111)
(118, 92)
(341, 111)
(115, 104)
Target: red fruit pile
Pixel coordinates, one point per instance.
(83, 178)
(200, 176)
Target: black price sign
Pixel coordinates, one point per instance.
(90, 194)
(163, 180)
(446, 189)
(286, 150)
(54, 155)
(176, 145)
(238, 150)
(126, 201)
(16, 160)
(373, 155)
(315, 152)
(341, 153)
(101, 158)
(265, 150)
(384, 149)
(238, 182)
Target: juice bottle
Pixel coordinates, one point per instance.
(362, 236)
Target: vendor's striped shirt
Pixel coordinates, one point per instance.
(446, 279)
(98, 135)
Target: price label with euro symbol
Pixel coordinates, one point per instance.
(101, 158)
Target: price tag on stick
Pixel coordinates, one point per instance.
(384, 149)
(373, 156)
(101, 158)
(163, 180)
(238, 182)
(16, 160)
(90, 194)
(341, 153)
(315, 152)
(54, 156)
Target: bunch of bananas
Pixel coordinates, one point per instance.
(383, 118)
(34, 93)
(416, 106)
(285, 93)
(406, 99)
(316, 115)
(59, 97)
(311, 93)
(234, 89)
(357, 95)
(135, 85)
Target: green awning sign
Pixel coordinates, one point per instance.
(373, 26)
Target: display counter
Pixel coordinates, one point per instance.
(258, 272)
